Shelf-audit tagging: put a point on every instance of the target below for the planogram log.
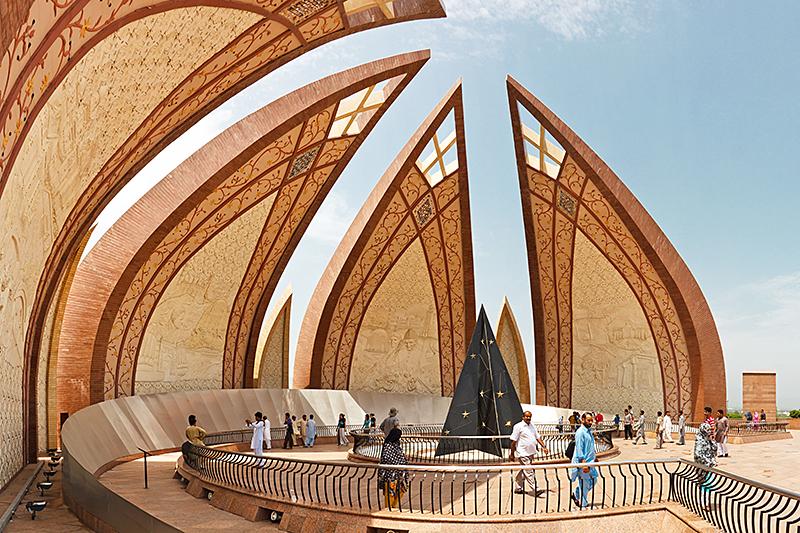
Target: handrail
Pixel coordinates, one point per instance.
(446, 449)
(730, 502)
(12, 508)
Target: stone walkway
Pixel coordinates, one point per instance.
(765, 462)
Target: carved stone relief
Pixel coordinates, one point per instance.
(185, 338)
(397, 347)
(508, 349)
(615, 361)
(74, 134)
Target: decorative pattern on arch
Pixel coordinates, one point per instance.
(581, 193)
(509, 341)
(53, 36)
(408, 206)
(295, 171)
(271, 367)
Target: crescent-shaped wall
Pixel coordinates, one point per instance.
(395, 306)
(90, 92)
(617, 314)
(284, 157)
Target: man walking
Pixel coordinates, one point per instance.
(311, 431)
(721, 433)
(525, 440)
(667, 427)
(681, 428)
(584, 453)
(287, 440)
(628, 420)
(640, 429)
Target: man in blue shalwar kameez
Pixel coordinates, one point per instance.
(584, 453)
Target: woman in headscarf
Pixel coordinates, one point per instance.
(394, 483)
(705, 453)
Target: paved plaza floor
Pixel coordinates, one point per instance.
(767, 462)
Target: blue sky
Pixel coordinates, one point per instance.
(694, 105)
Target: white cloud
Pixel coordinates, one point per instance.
(758, 326)
(570, 19)
(332, 220)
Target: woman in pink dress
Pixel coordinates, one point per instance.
(755, 420)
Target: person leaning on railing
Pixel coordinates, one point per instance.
(195, 434)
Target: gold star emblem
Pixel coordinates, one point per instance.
(483, 342)
(500, 394)
(491, 342)
(472, 355)
(483, 424)
(508, 424)
(481, 394)
(447, 432)
(465, 414)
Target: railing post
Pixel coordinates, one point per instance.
(146, 453)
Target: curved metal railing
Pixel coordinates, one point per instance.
(732, 503)
(444, 449)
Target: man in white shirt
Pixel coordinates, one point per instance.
(257, 444)
(524, 445)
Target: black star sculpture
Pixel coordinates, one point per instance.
(485, 402)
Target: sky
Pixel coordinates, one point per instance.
(694, 105)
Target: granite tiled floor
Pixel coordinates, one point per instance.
(765, 462)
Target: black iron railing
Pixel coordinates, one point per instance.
(275, 433)
(439, 449)
(729, 502)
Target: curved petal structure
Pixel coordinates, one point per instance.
(255, 187)
(90, 92)
(509, 340)
(618, 317)
(395, 306)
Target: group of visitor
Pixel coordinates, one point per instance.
(298, 432)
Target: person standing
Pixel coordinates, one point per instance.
(341, 430)
(195, 434)
(668, 427)
(394, 483)
(257, 444)
(267, 432)
(721, 433)
(303, 422)
(640, 429)
(366, 423)
(586, 476)
(525, 440)
(681, 428)
(756, 418)
(373, 422)
(311, 431)
(659, 431)
(709, 418)
(705, 453)
(296, 437)
(628, 422)
(763, 417)
(390, 422)
(561, 424)
(287, 439)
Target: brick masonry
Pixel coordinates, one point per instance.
(759, 392)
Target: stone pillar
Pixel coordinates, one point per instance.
(759, 392)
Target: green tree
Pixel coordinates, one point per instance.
(794, 413)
